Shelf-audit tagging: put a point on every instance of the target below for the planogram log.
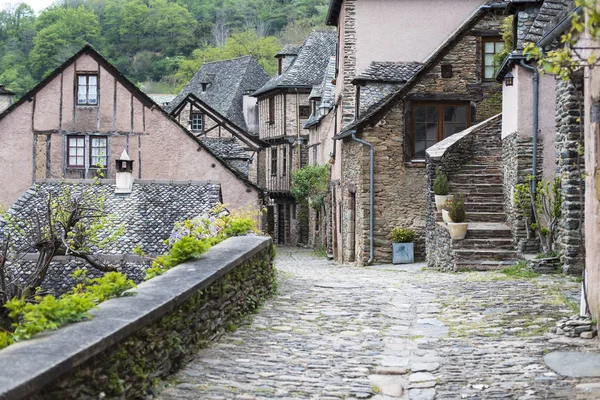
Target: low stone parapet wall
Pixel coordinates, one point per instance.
(134, 341)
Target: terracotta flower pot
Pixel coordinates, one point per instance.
(440, 201)
(446, 216)
(458, 230)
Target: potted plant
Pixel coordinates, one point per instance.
(457, 228)
(446, 209)
(440, 189)
(403, 247)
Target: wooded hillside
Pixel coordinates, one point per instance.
(157, 43)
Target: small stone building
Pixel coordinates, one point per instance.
(147, 214)
(283, 109)
(401, 109)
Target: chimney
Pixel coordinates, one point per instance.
(124, 168)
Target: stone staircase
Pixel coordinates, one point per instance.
(488, 244)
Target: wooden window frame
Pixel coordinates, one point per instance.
(192, 115)
(304, 112)
(87, 76)
(91, 148)
(484, 40)
(274, 160)
(440, 117)
(271, 106)
(69, 138)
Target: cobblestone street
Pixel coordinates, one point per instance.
(388, 332)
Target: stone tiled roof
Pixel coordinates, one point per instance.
(148, 213)
(326, 91)
(231, 151)
(289, 50)
(309, 66)
(387, 71)
(162, 100)
(548, 15)
(226, 83)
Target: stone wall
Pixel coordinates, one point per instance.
(517, 163)
(134, 341)
(347, 47)
(568, 139)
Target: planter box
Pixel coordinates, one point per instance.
(403, 253)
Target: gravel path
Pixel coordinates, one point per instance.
(388, 332)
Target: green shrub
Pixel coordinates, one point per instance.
(457, 209)
(520, 270)
(403, 235)
(49, 312)
(440, 184)
(309, 184)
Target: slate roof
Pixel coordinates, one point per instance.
(548, 15)
(227, 82)
(326, 91)
(162, 100)
(387, 71)
(231, 151)
(289, 50)
(309, 66)
(148, 213)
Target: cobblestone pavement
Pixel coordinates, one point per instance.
(388, 332)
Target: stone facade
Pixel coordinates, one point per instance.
(155, 349)
(347, 33)
(399, 193)
(569, 138)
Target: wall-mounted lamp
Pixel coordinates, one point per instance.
(508, 79)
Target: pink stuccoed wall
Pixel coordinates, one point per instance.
(166, 151)
(382, 33)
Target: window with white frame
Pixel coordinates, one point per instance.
(196, 121)
(98, 151)
(93, 149)
(87, 90)
(76, 151)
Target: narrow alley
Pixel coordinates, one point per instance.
(389, 332)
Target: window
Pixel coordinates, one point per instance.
(284, 161)
(447, 71)
(271, 110)
(304, 111)
(76, 151)
(87, 90)
(435, 122)
(98, 151)
(274, 161)
(196, 121)
(315, 154)
(491, 46)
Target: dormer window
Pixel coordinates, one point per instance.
(87, 89)
(304, 112)
(204, 86)
(196, 121)
(279, 65)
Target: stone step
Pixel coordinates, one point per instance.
(485, 216)
(484, 206)
(470, 188)
(495, 243)
(488, 230)
(487, 159)
(484, 254)
(490, 169)
(484, 198)
(476, 265)
(474, 178)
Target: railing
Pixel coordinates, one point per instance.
(278, 184)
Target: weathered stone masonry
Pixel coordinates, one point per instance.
(134, 341)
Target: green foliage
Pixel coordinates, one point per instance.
(440, 184)
(542, 206)
(192, 238)
(310, 184)
(49, 312)
(139, 251)
(507, 36)
(457, 209)
(520, 270)
(403, 235)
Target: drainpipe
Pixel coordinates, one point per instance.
(371, 195)
(536, 80)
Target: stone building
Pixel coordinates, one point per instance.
(147, 213)
(400, 105)
(6, 98)
(75, 122)
(552, 124)
(283, 109)
(321, 125)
